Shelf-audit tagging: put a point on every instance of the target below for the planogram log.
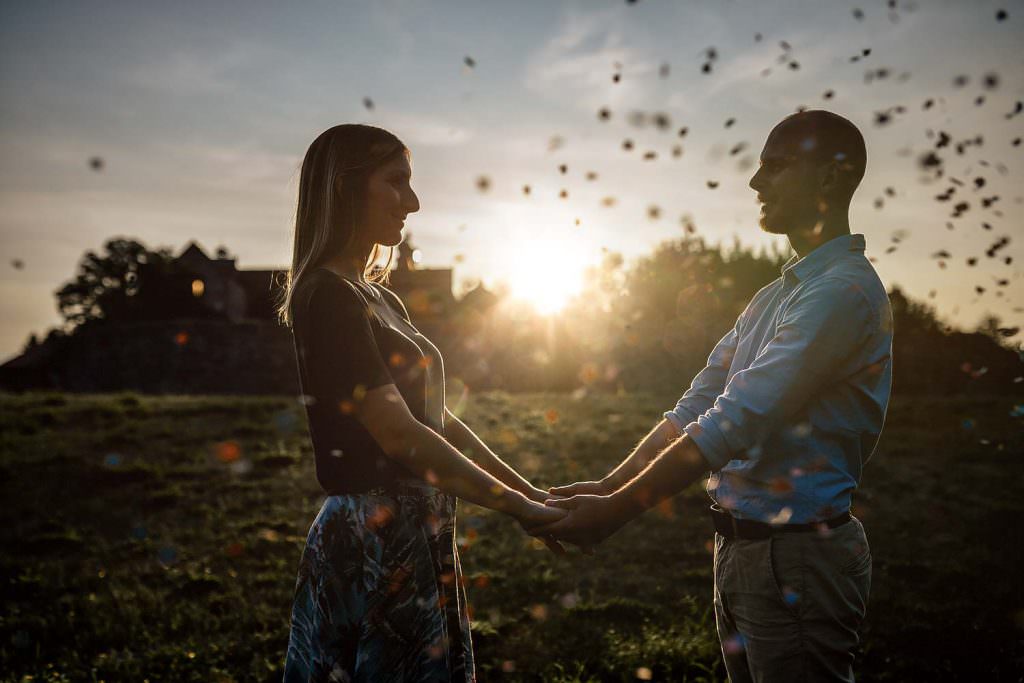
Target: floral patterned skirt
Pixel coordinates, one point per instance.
(379, 594)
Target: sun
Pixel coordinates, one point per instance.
(546, 273)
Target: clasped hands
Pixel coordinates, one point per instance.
(590, 514)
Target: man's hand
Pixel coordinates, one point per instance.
(591, 519)
(539, 496)
(580, 488)
(534, 515)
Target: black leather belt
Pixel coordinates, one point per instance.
(749, 529)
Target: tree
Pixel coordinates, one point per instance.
(105, 286)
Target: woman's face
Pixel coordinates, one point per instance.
(389, 199)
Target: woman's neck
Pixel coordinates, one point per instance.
(348, 265)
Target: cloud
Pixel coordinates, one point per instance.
(200, 70)
(577, 63)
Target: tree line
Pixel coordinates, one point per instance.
(649, 325)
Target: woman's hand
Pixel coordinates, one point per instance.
(533, 515)
(581, 488)
(538, 496)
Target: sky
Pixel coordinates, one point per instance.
(202, 113)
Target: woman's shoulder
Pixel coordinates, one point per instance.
(324, 290)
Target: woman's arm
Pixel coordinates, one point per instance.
(386, 416)
(463, 438)
(344, 367)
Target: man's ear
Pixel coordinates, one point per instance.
(831, 176)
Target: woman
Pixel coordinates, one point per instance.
(379, 594)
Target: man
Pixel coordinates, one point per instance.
(786, 413)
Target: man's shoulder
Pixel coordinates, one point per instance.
(764, 294)
(859, 272)
(851, 282)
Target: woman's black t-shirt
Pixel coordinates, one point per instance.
(350, 338)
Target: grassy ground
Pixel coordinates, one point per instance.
(158, 537)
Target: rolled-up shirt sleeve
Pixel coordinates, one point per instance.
(708, 384)
(818, 334)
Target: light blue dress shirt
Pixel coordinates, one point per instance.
(793, 398)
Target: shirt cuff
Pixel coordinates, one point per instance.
(710, 441)
(675, 420)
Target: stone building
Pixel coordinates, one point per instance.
(206, 326)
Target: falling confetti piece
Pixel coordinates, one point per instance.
(227, 451)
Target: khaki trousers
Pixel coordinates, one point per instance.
(789, 608)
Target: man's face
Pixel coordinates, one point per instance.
(787, 184)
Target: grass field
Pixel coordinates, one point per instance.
(158, 537)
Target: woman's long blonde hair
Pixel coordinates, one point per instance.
(332, 190)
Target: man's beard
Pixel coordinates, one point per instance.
(776, 221)
(773, 223)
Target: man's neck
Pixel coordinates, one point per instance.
(806, 240)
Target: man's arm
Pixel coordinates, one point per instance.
(656, 440)
(594, 518)
(814, 344)
(704, 389)
(709, 383)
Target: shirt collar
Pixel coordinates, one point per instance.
(821, 257)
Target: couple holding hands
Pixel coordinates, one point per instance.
(785, 414)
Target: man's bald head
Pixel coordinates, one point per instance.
(811, 164)
(821, 137)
